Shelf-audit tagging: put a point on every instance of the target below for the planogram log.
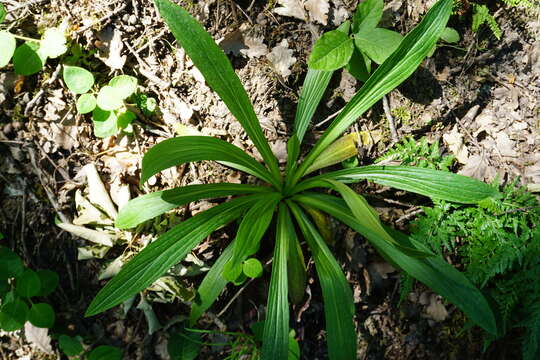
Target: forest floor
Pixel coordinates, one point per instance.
(480, 98)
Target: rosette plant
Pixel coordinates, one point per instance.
(290, 200)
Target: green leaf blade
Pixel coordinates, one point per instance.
(184, 149)
(252, 228)
(27, 60)
(86, 103)
(398, 67)
(436, 184)
(367, 15)
(13, 315)
(166, 251)
(124, 85)
(331, 52)
(218, 73)
(109, 98)
(338, 299)
(8, 45)
(148, 206)
(434, 272)
(211, 286)
(276, 325)
(41, 315)
(105, 122)
(77, 79)
(378, 43)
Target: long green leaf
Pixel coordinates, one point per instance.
(146, 207)
(167, 250)
(218, 72)
(184, 149)
(296, 271)
(338, 300)
(436, 184)
(252, 228)
(313, 89)
(276, 326)
(398, 67)
(432, 271)
(368, 217)
(211, 286)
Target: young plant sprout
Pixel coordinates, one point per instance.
(290, 200)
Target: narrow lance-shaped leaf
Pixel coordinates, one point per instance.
(432, 271)
(338, 299)
(184, 149)
(218, 73)
(313, 89)
(167, 250)
(276, 326)
(436, 184)
(296, 271)
(367, 15)
(211, 286)
(398, 67)
(368, 217)
(331, 52)
(252, 228)
(151, 205)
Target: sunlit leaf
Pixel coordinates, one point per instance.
(170, 248)
(331, 52)
(77, 79)
(86, 103)
(276, 325)
(8, 44)
(179, 150)
(27, 60)
(124, 85)
(218, 73)
(378, 43)
(337, 294)
(367, 15)
(109, 98)
(53, 43)
(398, 67)
(432, 271)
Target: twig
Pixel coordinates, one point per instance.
(102, 19)
(143, 69)
(409, 215)
(40, 93)
(26, 4)
(234, 297)
(328, 119)
(50, 195)
(390, 118)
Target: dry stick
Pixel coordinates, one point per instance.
(239, 292)
(102, 19)
(391, 125)
(41, 91)
(144, 69)
(50, 195)
(26, 4)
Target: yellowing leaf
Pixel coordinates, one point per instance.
(340, 150)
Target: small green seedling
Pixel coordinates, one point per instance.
(287, 198)
(19, 286)
(108, 108)
(30, 57)
(356, 45)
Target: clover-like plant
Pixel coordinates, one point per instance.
(109, 113)
(289, 200)
(359, 42)
(18, 286)
(30, 57)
